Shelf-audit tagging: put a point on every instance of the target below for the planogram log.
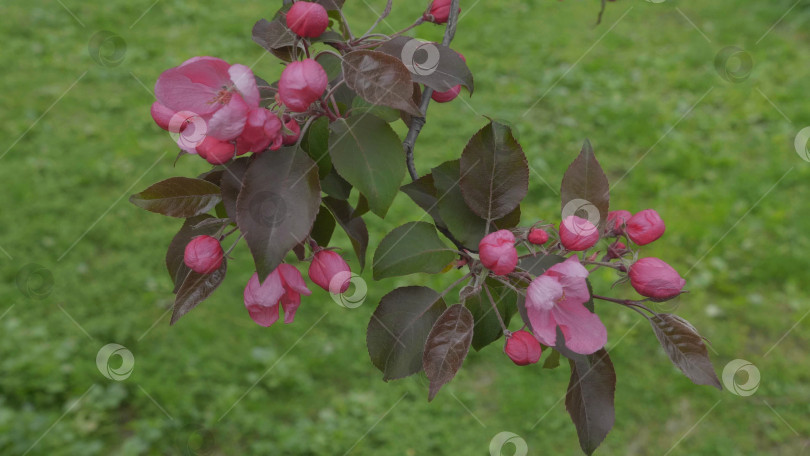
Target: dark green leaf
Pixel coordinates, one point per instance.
(685, 348)
(446, 347)
(275, 37)
(487, 326)
(178, 197)
(316, 143)
(494, 172)
(553, 359)
(277, 205)
(335, 186)
(362, 207)
(361, 106)
(411, 248)
(434, 65)
(380, 79)
(462, 222)
(232, 184)
(589, 399)
(584, 187)
(368, 154)
(423, 192)
(323, 227)
(331, 4)
(354, 227)
(399, 328)
(196, 288)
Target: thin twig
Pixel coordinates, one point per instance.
(455, 284)
(418, 122)
(385, 14)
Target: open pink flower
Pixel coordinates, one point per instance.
(283, 286)
(557, 298)
(218, 93)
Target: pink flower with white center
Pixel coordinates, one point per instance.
(283, 286)
(220, 94)
(557, 298)
(497, 252)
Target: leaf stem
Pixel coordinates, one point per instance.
(455, 284)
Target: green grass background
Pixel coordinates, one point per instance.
(715, 158)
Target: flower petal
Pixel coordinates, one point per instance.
(544, 326)
(264, 316)
(179, 93)
(242, 77)
(229, 121)
(584, 332)
(293, 279)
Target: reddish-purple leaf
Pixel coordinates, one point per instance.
(181, 197)
(446, 347)
(590, 395)
(585, 187)
(685, 348)
(380, 79)
(196, 288)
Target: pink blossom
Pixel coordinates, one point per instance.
(557, 298)
(522, 348)
(616, 221)
(307, 19)
(578, 234)
(220, 94)
(330, 271)
(654, 278)
(537, 236)
(283, 286)
(645, 227)
(497, 252)
(262, 130)
(203, 254)
(301, 84)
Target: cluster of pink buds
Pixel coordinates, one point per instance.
(557, 297)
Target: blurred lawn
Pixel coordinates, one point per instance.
(715, 158)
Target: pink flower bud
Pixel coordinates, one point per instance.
(301, 84)
(616, 250)
(439, 11)
(538, 236)
(446, 96)
(214, 151)
(262, 130)
(616, 221)
(203, 254)
(292, 138)
(645, 227)
(578, 234)
(308, 20)
(497, 252)
(330, 271)
(450, 94)
(655, 279)
(522, 348)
